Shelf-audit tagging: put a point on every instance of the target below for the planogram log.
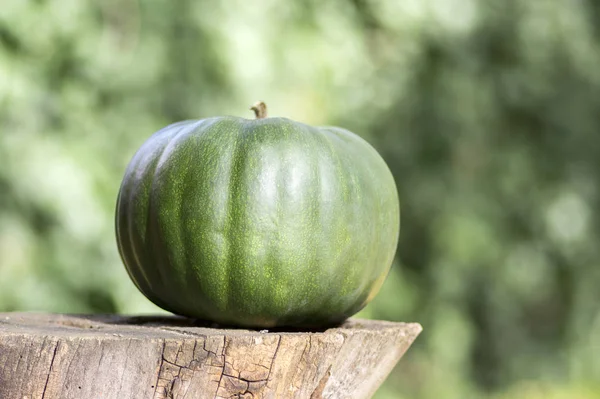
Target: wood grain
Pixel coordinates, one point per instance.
(107, 356)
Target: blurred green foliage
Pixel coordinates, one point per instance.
(488, 114)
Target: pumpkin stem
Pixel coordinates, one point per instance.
(260, 110)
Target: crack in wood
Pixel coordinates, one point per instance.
(162, 359)
(318, 392)
(194, 352)
(170, 387)
(302, 362)
(209, 351)
(189, 367)
(101, 356)
(50, 369)
(169, 362)
(245, 379)
(222, 367)
(274, 357)
(308, 346)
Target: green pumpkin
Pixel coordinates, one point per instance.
(258, 223)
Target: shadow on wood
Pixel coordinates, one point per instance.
(108, 356)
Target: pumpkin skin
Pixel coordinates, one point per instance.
(258, 223)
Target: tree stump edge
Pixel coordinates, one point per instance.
(108, 356)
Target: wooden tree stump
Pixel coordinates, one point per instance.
(69, 356)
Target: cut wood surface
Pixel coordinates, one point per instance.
(54, 356)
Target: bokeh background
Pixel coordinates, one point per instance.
(487, 112)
